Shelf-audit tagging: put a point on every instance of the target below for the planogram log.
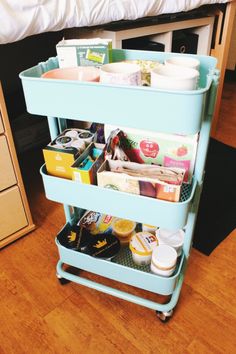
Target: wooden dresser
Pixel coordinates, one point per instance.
(15, 216)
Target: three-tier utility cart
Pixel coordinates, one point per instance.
(178, 112)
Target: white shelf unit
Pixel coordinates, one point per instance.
(161, 33)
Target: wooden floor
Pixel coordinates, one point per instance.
(38, 315)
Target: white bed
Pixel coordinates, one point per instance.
(22, 18)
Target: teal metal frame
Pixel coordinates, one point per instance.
(185, 112)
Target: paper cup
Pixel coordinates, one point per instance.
(64, 141)
(174, 78)
(184, 61)
(87, 137)
(121, 74)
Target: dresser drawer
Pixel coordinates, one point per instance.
(7, 174)
(12, 213)
(1, 124)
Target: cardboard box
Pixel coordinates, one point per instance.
(88, 175)
(59, 160)
(84, 52)
(150, 187)
(168, 150)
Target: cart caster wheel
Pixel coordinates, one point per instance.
(164, 316)
(62, 281)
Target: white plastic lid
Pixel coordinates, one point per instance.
(72, 133)
(174, 238)
(164, 256)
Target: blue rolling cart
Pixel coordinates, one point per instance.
(180, 112)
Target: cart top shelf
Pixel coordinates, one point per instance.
(146, 108)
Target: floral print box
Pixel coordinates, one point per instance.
(168, 150)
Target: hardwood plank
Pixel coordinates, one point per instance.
(29, 266)
(137, 324)
(202, 346)
(33, 335)
(218, 271)
(92, 333)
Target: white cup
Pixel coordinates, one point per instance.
(87, 137)
(185, 61)
(174, 78)
(121, 74)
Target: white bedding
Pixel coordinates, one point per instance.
(22, 18)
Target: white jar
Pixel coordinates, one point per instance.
(163, 260)
(141, 246)
(173, 238)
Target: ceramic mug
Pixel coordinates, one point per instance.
(174, 78)
(121, 74)
(185, 61)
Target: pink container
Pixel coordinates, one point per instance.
(80, 73)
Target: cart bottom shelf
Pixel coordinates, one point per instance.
(122, 269)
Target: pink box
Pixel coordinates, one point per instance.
(168, 150)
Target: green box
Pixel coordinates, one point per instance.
(84, 52)
(88, 176)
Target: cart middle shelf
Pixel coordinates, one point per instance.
(171, 215)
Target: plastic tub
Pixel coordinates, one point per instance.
(173, 238)
(164, 260)
(141, 246)
(123, 228)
